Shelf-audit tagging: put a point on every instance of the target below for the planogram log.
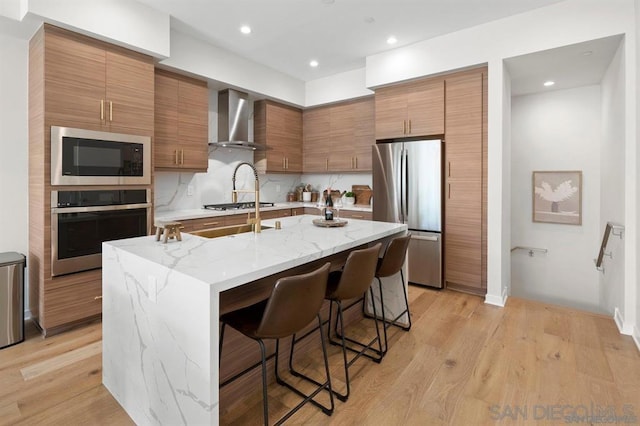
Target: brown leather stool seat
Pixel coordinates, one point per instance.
(293, 303)
(353, 281)
(389, 265)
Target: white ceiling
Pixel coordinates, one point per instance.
(339, 34)
(570, 66)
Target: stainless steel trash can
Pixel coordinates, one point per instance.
(11, 298)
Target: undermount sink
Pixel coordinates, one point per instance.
(227, 230)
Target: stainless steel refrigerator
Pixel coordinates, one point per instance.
(407, 188)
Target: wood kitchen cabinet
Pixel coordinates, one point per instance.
(338, 138)
(181, 123)
(279, 127)
(410, 109)
(78, 82)
(96, 86)
(465, 180)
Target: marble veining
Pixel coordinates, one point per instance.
(161, 308)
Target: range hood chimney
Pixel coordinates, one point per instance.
(233, 121)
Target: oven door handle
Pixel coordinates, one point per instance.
(60, 210)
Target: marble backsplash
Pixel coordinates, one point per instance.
(183, 190)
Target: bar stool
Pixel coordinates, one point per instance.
(293, 303)
(390, 264)
(352, 282)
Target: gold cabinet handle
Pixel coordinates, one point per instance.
(326, 164)
(211, 224)
(176, 159)
(284, 162)
(404, 127)
(448, 168)
(182, 156)
(287, 163)
(355, 159)
(110, 111)
(357, 216)
(101, 109)
(97, 298)
(409, 127)
(449, 191)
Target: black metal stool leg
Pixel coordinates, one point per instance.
(384, 318)
(265, 402)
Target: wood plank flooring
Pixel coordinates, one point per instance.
(462, 363)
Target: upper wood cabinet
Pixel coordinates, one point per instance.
(338, 138)
(279, 127)
(408, 110)
(93, 85)
(465, 180)
(181, 122)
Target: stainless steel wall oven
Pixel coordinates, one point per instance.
(82, 220)
(87, 157)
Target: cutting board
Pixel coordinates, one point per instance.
(363, 194)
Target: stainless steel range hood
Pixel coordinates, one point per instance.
(233, 121)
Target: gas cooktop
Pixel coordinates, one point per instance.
(236, 206)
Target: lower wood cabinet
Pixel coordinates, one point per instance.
(354, 214)
(191, 225)
(69, 299)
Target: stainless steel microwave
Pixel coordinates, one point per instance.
(88, 157)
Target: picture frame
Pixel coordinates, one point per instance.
(557, 197)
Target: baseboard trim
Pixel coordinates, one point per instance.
(490, 299)
(636, 336)
(617, 317)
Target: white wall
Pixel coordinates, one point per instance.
(557, 25)
(558, 130)
(612, 166)
(203, 59)
(635, 322)
(346, 85)
(111, 21)
(14, 146)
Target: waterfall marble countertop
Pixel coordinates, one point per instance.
(160, 308)
(233, 260)
(186, 214)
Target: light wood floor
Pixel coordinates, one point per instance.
(463, 363)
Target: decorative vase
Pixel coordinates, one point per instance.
(349, 201)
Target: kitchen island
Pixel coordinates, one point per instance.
(161, 304)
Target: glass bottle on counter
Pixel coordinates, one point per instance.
(328, 209)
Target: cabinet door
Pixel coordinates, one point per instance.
(74, 80)
(129, 92)
(193, 117)
(279, 127)
(166, 122)
(342, 119)
(315, 136)
(463, 194)
(292, 140)
(426, 108)
(364, 134)
(391, 112)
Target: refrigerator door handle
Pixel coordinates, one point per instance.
(405, 184)
(417, 237)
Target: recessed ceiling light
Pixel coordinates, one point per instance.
(313, 63)
(245, 29)
(392, 40)
(549, 83)
(587, 53)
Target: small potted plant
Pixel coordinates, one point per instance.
(349, 198)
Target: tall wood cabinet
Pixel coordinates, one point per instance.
(181, 123)
(75, 81)
(409, 110)
(338, 138)
(279, 127)
(465, 181)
